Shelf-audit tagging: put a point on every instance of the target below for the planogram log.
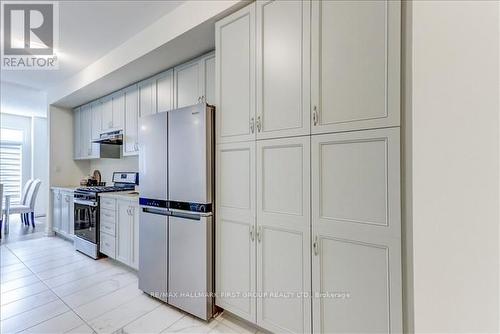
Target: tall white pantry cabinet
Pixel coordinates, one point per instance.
(308, 233)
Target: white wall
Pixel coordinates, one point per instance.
(455, 166)
(108, 166)
(26, 108)
(40, 162)
(21, 100)
(63, 170)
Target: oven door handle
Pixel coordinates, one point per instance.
(82, 202)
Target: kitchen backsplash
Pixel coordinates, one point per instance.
(108, 166)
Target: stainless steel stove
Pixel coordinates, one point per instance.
(86, 200)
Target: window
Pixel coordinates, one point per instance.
(11, 158)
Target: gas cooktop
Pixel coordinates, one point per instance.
(104, 189)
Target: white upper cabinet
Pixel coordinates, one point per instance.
(107, 114)
(188, 84)
(147, 97)
(283, 234)
(235, 76)
(165, 91)
(355, 82)
(194, 82)
(130, 130)
(85, 131)
(235, 228)
(118, 101)
(356, 226)
(95, 125)
(209, 78)
(283, 68)
(77, 140)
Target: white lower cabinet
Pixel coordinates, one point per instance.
(349, 183)
(107, 245)
(263, 248)
(356, 232)
(235, 229)
(56, 210)
(283, 235)
(127, 235)
(119, 230)
(63, 212)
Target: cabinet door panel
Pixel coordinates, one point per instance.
(95, 123)
(130, 131)
(56, 210)
(65, 207)
(235, 229)
(283, 68)
(71, 215)
(283, 219)
(235, 79)
(355, 64)
(134, 258)
(209, 79)
(147, 97)
(77, 140)
(357, 229)
(107, 113)
(124, 231)
(85, 132)
(188, 88)
(118, 110)
(165, 89)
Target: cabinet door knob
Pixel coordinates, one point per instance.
(252, 125)
(259, 233)
(316, 246)
(259, 123)
(315, 115)
(252, 233)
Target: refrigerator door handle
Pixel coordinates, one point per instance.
(187, 215)
(156, 211)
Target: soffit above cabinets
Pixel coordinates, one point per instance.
(192, 38)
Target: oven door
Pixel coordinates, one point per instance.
(86, 220)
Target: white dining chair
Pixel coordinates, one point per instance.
(24, 196)
(27, 210)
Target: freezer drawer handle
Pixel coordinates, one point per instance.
(185, 215)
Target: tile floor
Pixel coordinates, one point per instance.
(19, 231)
(47, 287)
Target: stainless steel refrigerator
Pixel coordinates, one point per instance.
(175, 225)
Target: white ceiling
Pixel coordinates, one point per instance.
(89, 30)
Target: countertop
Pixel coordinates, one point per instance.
(66, 188)
(122, 195)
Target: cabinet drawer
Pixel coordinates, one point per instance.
(108, 227)
(108, 215)
(107, 245)
(108, 203)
